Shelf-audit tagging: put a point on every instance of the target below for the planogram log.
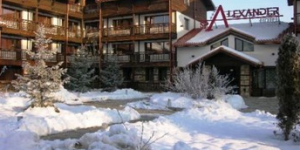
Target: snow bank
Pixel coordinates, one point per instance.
(216, 126)
(236, 101)
(163, 101)
(118, 137)
(121, 94)
(43, 121)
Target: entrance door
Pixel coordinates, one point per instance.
(234, 74)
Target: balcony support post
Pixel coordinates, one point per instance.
(100, 40)
(0, 28)
(66, 34)
(170, 40)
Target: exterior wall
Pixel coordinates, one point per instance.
(180, 24)
(265, 53)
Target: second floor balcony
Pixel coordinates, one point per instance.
(136, 32)
(28, 27)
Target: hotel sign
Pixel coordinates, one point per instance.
(270, 14)
(253, 13)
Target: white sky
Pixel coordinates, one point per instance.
(284, 9)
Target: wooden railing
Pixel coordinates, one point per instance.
(133, 30)
(123, 8)
(164, 57)
(49, 5)
(28, 27)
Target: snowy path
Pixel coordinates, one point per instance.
(146, 115)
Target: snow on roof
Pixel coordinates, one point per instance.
(231, 51)
(259, 31)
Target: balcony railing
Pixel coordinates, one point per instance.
(132, 30)
(18, 24)
(49, 5)
(137, 58)
(28, 27)
(121, 8)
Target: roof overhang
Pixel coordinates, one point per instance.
(231, 52)
(209, 5)
(290, 2)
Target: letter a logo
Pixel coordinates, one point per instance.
(220, 9)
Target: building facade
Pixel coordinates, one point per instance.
(246, 52)
(138, 34)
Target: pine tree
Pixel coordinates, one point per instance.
(80, 73)
(39, 80)
(111, 77)
(288, 93)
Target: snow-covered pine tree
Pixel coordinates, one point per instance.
(39, 80)
(110, 76)
(287, 67)
(80, 72)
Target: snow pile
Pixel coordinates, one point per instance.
(118, 137)
(63, 95)
(216, 126)
(121, 94)
(43, 121)
(164, 101)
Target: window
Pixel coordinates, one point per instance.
(186, 24)
(242, 45)
(149, 74)
(56, 46)
(264, 78)
(122, 22)
(121, 49)
(187, 2)
(162, 74)
(157, 47)
(219, 43)
(10, 44)
(161, 19)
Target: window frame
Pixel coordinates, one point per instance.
(243, 43)
(186, 24)
(219, 43)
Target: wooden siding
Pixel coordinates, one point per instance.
(196, 9)
(126, 7)
(48, 6)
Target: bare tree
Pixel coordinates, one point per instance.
(200, 82)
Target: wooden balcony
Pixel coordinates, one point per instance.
(27, 28)
(137, 32)
(139, 59)
(75, 10)
(12, 57)
(121, 8)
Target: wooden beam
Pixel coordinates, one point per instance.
(100, 38)
(170, 40)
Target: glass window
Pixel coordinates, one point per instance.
(149, 74)
(186, 24)
(271, 78)
(161, 19)
(121, 49)
(157, 47)
(219, 43)
(238, 44)
(242, 45)
(187, 2)
(162, 74)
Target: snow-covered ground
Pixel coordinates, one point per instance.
(97, 95)
(204, 124)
